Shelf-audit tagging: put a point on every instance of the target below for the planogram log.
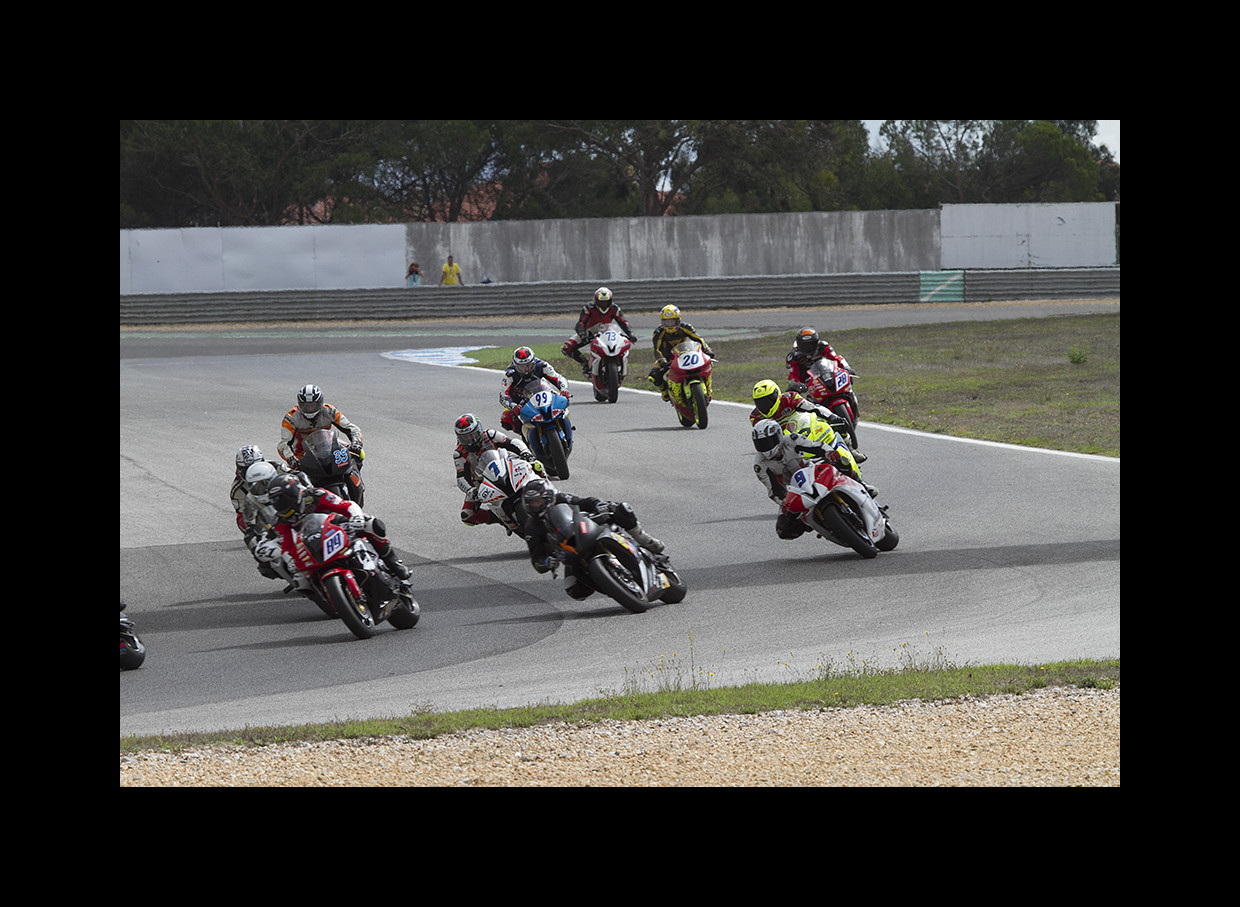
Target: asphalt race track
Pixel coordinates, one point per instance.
(1006, 554)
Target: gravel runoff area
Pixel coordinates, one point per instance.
(1057, 737)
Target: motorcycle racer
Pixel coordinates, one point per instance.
(471, 440)
(291, 501)
(310, 414)
(538, 495)
(603, 311)
(769, 403)
(807, 349)
(251, 516)
(519, 377)
(780, 455)
(671, 331)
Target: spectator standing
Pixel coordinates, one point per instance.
(451, 274)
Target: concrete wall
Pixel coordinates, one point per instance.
(233, 259)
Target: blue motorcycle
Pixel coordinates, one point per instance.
(546, 427)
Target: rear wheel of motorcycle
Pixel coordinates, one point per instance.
(403, 617)
(611, 578)
(355, 614)
(699, 404)
(613, 382)
(556, 454)
(846, 530)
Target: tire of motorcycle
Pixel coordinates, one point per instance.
(613, 382)
(699, 404)
(851, 431)
(402, 617)
(611, 578)
(355, 614)
(845, 531)
(132, 658)
(555, 453)
(889, 541)
(676, 589)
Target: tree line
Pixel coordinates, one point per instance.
(207, 173)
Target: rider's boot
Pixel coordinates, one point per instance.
(395, 566)
(646, 540)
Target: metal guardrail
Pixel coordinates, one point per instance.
(567, 297)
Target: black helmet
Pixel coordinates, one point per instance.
(284, 493)
(807, 341)
(537, 496)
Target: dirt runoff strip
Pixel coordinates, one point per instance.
(1057, 737)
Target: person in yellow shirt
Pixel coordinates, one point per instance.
(451, 274)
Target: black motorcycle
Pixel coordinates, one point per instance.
(133, 653)
(608, 559)
(329, 463)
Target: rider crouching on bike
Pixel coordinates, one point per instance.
(538, 496)
(519, 378)
(471, 441)
(770, 403)
(807, 349)
(252, 517)
(311, 414)
(671, 331)
(291, 501)
(780, 455)
(594, 318)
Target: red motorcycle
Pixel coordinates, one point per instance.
(608, 363)
(688, 383)
(830, 385)
(348, 580)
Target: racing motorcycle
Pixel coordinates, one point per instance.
(133, 653)
(546, 427)
(347, 578)
(688, 383)
(608, 363)
(502, 475)
(840, 510)
(329, 463)
(830, 385)
(608, 559)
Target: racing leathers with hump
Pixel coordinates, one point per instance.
(290, 501)
(779, 455)
(311, 414)
(769, 403)
(671, 331)
(519, 377)
(471, 441)
(594, 317)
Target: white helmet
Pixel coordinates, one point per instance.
(602, 297)
(766, 436)
(258, 477)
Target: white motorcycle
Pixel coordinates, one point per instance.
(840, 509)
(502, 475)
(608, 363)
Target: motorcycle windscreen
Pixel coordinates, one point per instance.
(325, 454)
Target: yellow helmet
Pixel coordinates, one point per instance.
(670, 316)
(766, 398)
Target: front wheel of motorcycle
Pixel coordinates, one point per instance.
(611, 578)
(613, 382)
(848, 529)
(699, 404)
(555, 452)
(355, 614)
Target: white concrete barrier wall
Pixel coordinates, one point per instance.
(366, 256)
